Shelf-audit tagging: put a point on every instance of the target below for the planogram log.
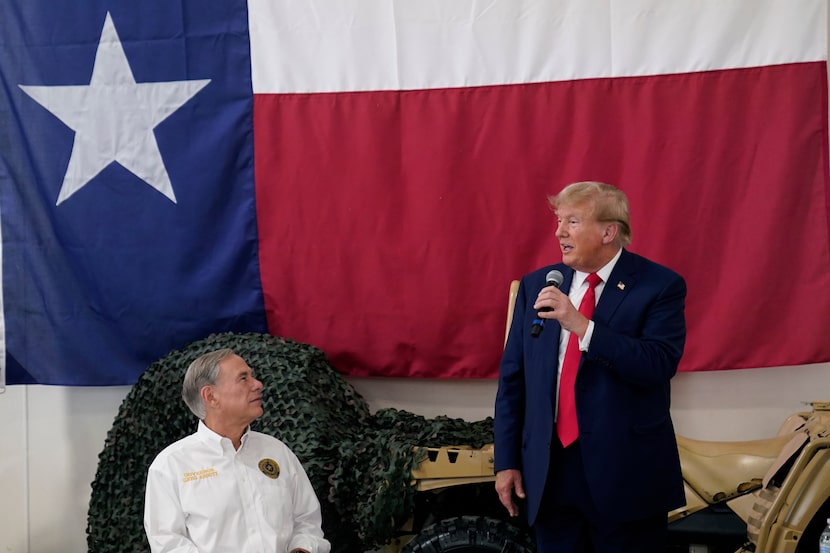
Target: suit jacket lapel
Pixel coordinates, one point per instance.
(621, 280)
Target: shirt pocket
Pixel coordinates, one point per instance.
(275, 497)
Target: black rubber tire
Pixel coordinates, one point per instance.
(470, 535)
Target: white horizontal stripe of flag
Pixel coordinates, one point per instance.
(357, 45)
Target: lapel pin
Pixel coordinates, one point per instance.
(621, 285)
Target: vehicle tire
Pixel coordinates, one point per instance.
(470, 535)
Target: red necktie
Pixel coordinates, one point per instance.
(566, 423)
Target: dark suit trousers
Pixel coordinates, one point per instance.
(568, 521)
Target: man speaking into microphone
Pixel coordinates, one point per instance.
(583, 434)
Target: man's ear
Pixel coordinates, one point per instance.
(207, 395)
(609, 234)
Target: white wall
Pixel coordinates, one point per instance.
(50, 437)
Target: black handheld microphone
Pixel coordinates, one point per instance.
(553, 278)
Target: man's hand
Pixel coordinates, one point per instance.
(561, 309)
(508, 482)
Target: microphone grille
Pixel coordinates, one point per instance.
(555, 278)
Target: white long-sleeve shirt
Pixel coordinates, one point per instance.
(203, 496)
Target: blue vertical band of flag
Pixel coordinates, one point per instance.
(117, 275)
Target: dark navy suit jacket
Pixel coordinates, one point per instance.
(622, 391)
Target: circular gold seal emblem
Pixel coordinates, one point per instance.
(269, 468)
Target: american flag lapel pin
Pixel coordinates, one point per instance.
(621, 285)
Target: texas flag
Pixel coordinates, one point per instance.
(368, 176)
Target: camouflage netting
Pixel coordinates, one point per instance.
(359, 463)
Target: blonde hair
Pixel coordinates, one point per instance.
(608, 204)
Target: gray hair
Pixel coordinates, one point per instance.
(203, 371)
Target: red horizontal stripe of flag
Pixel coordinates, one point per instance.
(392, 222)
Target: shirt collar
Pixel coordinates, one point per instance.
(604, 273)
(217, 441)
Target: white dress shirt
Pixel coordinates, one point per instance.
(204, 496)
(578, 288)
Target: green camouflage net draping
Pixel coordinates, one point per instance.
(359, 463)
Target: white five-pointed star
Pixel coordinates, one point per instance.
(113, 118)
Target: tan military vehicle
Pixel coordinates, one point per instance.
(763, 496)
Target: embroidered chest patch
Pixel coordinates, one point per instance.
(269, 468)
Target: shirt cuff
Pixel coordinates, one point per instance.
(585, 341)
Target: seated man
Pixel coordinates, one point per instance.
(227, 488)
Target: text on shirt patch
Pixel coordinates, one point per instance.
(199, 474)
